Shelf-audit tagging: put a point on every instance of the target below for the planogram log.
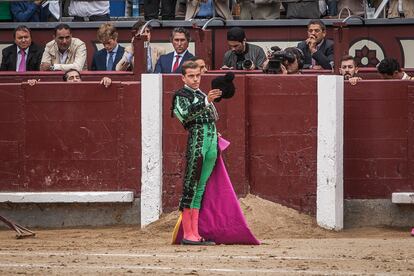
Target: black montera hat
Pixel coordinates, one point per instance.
(225, 84)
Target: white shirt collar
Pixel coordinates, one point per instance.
(114, 50)
(181, 55)
(25, 50)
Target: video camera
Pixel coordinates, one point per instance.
(277, 58)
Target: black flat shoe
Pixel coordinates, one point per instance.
(207, 242)
(200, 242)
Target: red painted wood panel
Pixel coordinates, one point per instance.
(375, 139)
(70, 137)
(282, 139)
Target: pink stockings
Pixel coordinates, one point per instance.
(190, 224)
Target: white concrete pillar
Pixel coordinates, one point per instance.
(330, 192)
(151, 143)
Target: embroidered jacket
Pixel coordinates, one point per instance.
(190, 108)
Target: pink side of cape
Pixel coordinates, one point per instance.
(221, 219)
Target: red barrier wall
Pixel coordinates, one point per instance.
(82, 137)
(378, 140)
(70, 137)
(282, 121)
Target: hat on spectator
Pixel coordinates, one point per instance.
(225, 84)
(236, 34)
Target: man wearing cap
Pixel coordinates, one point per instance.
(242, 55)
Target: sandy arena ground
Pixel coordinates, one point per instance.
(291, 245)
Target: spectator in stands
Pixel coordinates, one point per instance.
(332, 8)
(355, 7)
(242, 55)
(406, 8)
(389, 68)
(180, 9)
(89, 10)
(29, 11)
(259, 9)
(349, 69)
(292, 61)
(153, 51)
(64, 52)
(152, 8)
(302, 9)
(208, 9)
(201, 63)
(73, 75)
(23, 55)
(107, 58)
(318, 51)
(289, 67)
(172, 62)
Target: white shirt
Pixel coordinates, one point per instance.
(63, 57)
(88, 8)
(179, 61)
(54, 8)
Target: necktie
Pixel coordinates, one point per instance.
(149, 60)
(176, 63)
(110, 62)
(22, 65)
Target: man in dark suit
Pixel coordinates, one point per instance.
(317, 50)
(107, 58)
(23, 55)
(171, 62)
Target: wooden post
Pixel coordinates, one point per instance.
(140, 56)
(203, 46)
(341, 43)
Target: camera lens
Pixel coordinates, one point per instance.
(247, 64)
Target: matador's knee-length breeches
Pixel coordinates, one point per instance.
(201, 158)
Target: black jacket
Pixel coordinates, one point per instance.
(8, 62)
(323, 57)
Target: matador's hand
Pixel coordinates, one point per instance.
(213, 94)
